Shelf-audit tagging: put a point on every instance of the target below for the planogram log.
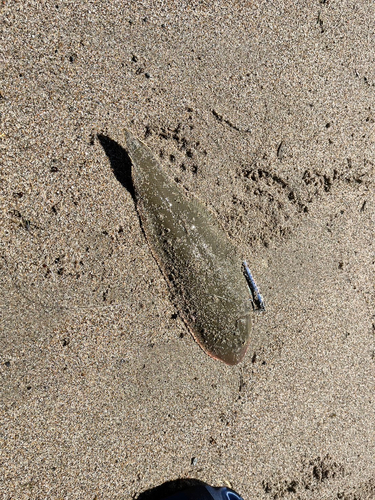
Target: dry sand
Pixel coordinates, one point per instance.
(266, 112)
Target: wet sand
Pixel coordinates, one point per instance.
(266, 113)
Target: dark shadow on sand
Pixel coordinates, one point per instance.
(120, 162)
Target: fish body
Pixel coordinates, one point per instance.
(196, 257)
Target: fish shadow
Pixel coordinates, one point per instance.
(120, 161)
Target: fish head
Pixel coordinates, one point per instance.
(237, 348)
(226, 333)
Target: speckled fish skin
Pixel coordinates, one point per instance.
(198, 260)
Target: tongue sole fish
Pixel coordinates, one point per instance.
(197, 259)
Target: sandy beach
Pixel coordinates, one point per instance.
(264, 111)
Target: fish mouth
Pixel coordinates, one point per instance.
(229, 357)
(232, 354)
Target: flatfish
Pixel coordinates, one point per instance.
(198, 260)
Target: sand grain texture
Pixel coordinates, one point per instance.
(266, 112)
